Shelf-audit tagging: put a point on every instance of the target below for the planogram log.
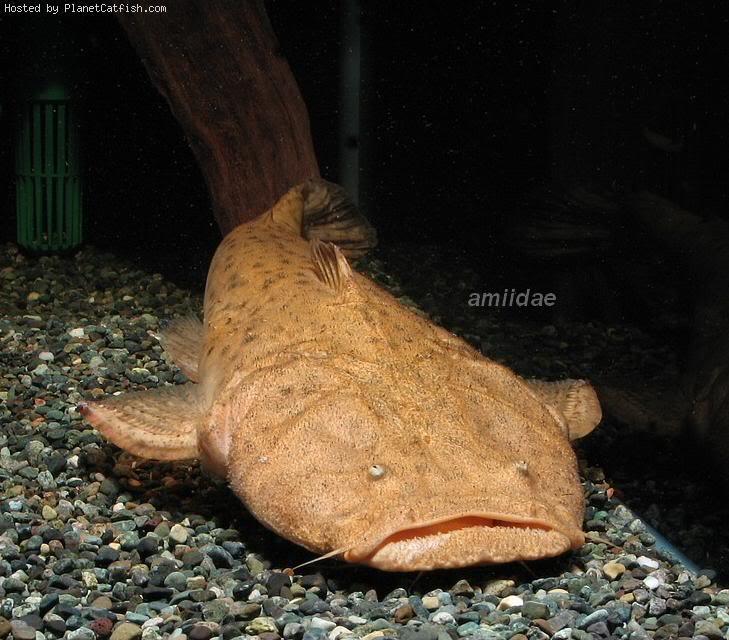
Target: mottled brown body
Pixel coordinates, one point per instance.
(345, 422)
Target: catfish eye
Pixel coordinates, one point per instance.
(376, 471)
(522, 466)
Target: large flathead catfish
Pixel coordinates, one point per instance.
(351, 425)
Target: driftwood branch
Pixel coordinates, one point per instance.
(218, 64)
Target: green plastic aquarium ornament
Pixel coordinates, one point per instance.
(48, 178)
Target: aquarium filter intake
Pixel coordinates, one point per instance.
(48, 181)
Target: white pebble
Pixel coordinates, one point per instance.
(339, 632)
(357, 620)
(510, 601)
(648, 563)
(431, 603)
(722, 614)
(152, 622)
(151, 633)
(443, 617)
(321, 623)
(683, 577)
(255, 596)
(651, 582)
(89, 579)
(178, 534)
(46, 356)
(77, 332)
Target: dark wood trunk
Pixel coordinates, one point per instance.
(218, 64)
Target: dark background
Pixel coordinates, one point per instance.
(468, 110)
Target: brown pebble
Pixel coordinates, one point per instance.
(404, 613)
(544, 626)
(102, 602)
(4, 627)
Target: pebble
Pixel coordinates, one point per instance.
(613, 570)
(708, 629)
(200, 632)
(498, 587)
(178, 534)
(648, 563)
(336, 633)
(126, 631)
(262, 625)
(319, 623)
(22, 631)
(510, 601)
(84, 633)
(443, 617)
(534, 610)
(49, 513)
(599, 615)
(651, 582)
(296, 629)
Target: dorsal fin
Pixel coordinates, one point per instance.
(330, 265)
(288, 212)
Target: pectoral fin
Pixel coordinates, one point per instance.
(576, 400)
(182, 340)
(160, 424)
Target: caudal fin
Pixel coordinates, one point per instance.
(160, 424)
(321, 210)
(330, 215)
(576, 400)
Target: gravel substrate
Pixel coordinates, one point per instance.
(95, 543)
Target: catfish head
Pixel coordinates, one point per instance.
(435, 478)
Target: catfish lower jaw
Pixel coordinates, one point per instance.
(463, 541)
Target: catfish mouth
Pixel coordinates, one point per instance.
(463, 541)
